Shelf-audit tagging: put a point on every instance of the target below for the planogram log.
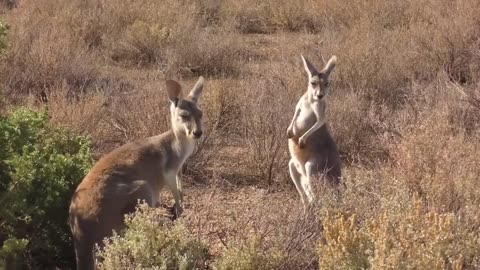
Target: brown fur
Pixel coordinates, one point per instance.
(324, 149)
(135, 171)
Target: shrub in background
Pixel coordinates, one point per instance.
(37, 60)
(264, 120)
(151, 243)
(396, 60)
(40, 166)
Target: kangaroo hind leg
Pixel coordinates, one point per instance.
(297, 180)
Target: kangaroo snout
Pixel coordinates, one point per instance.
(197, 134)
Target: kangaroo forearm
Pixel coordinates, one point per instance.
(294, 119)
(312, 130)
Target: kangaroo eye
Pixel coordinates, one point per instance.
(314, 84)
(184, 116)
(200, 114)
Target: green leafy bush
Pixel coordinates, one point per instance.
(40, 166)
(151, 243)
(10, 253)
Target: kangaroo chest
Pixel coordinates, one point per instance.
(180, 152)
(305, 120)
(184, 150)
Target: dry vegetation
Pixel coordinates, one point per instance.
(404, 109)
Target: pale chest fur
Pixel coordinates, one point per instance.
(182, 149)
(306, 119)
(185, 149)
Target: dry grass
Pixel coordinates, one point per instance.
(404, 109)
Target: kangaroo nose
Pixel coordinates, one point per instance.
(320, 96)
(197, 133)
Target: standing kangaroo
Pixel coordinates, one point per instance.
(135, 171)
(313, 151)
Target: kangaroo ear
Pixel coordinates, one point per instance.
(174, 90)
(309, 67)
(330, 65)
(197, 90)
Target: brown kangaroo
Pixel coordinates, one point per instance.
(135, 171)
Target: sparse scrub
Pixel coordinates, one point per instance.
(88, 117)
(250, 256)
(413, 41)
(79, 35)
(220, 112)
(357, 125)
(443, 168)
(271, 16)
(406, 239)
(41, 58)
(345, 246)
(264, 126)
(150, 241)
(142, 44)
(131, 124)
(198, 53)
(169, 38)
(404, 111)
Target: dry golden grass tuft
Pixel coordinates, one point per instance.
(406, 239)
(250, 16)
(404, 109)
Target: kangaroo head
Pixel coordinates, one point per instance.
(185, 113)
(318, 80)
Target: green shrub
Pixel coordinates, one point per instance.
(10, 253)
(250, 256)
(151, 243)
(40, 166)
